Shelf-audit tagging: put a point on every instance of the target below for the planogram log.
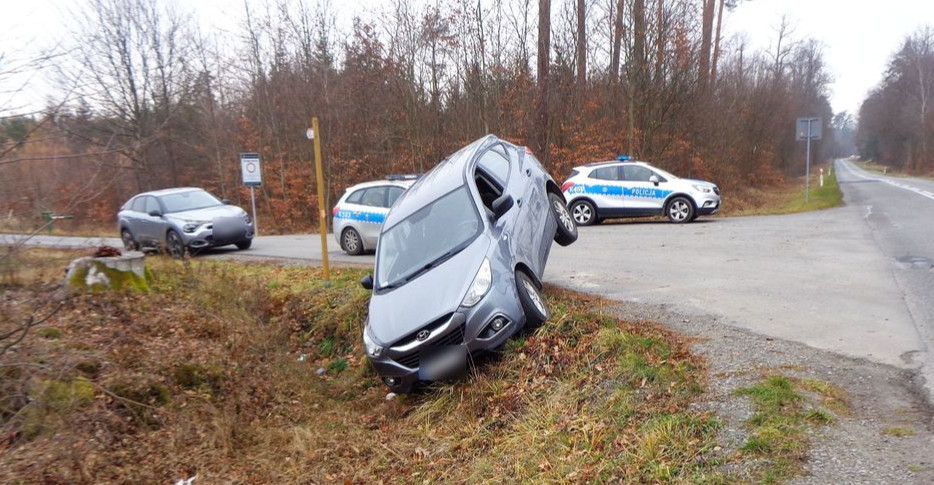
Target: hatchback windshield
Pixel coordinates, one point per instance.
(186, 201)
(427, 238)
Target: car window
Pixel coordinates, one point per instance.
(151, 205)
(394, 193)
(495, 163)
(374, 197)
(606, 173)
(139, 204)
(191, 200)
(356, 197)
(635, 173)
(427, 237)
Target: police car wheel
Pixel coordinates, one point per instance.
(583, 212)
(533, 304)
(680, 210)
(351, 242)
(566, 233)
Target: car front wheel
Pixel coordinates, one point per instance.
(128, 242)
(174, 245)
(351, 242)
(567, 228)
(583, 212)
(680, 210)
(533, 304)
(245, 244)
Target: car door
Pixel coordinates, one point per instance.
(370, 213)
(642, 196)
(153, 228)
(607, 191)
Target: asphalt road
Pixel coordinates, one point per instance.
(856, 280)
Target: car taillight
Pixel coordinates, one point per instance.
(566, 186)
(334, 211)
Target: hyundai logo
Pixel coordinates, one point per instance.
(423, 335)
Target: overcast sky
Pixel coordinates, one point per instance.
(859, 36)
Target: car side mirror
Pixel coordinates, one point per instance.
(225, 201)
(367, 282)
(654, 180)
(502, 205)
(155, 213)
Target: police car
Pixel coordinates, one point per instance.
(359, 214)
(627, 188)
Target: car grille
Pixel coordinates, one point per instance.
(454, 337)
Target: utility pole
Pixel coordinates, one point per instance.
(314, 133)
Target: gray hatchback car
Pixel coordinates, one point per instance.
(459, 262)
(182, 219)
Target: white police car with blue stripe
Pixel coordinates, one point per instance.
(626, 188)
(360, 212)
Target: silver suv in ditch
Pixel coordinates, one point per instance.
(625, 188)
(186, 218)
(459, 262)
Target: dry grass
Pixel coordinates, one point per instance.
(213, 372)
(786, 198)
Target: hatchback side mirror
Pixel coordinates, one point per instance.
(502, 205)
(367, 282)
(225, 201)
(654, 180)
(155, 214)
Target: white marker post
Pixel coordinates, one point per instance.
(821, 177)
(251, 170)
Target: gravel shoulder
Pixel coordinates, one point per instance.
(858, 448)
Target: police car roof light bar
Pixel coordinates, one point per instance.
(624, 158)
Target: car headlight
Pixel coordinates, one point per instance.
(192, 226)
(372, 349)
(481, 284)
(703, 188)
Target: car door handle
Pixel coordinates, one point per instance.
(519, 202)
(528, 172)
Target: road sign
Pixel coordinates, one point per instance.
(808, 129)
(251, 169)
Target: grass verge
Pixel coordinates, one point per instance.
(254, 374)
(789, 199)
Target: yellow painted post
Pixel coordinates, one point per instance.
(322, 211)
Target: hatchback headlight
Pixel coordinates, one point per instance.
(481, 284)
(372, 349)
(192, 226)
(703, 188)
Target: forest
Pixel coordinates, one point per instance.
(148, 99)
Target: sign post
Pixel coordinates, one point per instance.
(251, 170)
(805, 129)
(314, 133)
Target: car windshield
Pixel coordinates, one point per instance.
(187, 201)
(427, 238)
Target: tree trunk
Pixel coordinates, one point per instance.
(706, 36)
(544, 59)
(581, 43)
(617, 42)
(716, 44)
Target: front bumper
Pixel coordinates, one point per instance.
(211, 235)
(708, 204)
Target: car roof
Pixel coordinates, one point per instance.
(175, 190)
(613, 162)
(448, 175)
(380, 183)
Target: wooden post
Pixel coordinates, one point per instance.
(322, 212)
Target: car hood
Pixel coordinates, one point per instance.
(699, 182)
(435, 293)
(208, 213)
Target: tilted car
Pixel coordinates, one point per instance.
(624, 188)
(459, 262)
(180, 219)
(359, 214)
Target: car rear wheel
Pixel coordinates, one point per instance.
(128, 242)
(174, 245)
(245, 244)
(583, 212)
(567, 228)
(533, 304)
(680, 210)
(351, 242)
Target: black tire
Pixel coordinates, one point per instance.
(129, 243)
(174, 245)
(567, 228)
(536, 312)
(583, 212)
(351, 242)
(244, 244)
(679, 210)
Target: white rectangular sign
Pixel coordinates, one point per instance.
(251, 169)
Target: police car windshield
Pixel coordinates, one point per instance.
(427, 238)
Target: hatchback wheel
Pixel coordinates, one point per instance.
(533, 304)
(567, 228)
(680, 210)
(128, 242)
(583, 212)
(174, 245)
(245, 244)
(351, 242)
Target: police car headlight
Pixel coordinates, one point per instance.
(372, 349)
(480, 286)
(703, 188)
